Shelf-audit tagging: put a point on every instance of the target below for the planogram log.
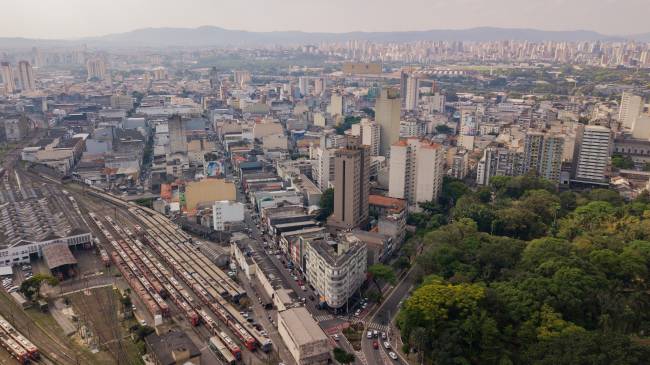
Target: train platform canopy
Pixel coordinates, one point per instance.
(57, 255)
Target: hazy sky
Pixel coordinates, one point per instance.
(81, 18)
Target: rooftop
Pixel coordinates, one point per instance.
(328, 250)
(57, 255)
(302, 326)
(163, 345)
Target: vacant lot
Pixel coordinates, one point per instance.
(98, 309)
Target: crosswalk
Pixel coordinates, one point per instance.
(374, 326)
(323, 317)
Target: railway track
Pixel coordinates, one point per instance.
(209, 284)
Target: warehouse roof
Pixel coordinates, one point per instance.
(57, 255)
(302, 326)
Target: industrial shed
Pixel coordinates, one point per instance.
(59, 260)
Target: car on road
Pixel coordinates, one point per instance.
(375, 334)
(392, 355)
(304, 288)
(386, 344)
(375, 345)
(336, 337)
(356, 314)
(369, 335)
(383, 335)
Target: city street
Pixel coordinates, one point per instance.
(381, 320)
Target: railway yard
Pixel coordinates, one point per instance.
(140, 252)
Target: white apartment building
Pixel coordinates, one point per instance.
(412, 93)
(323, 167)
(335, 269)
(416, 170)
(225, 211)
(593, 147)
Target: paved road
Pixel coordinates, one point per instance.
(382, 318)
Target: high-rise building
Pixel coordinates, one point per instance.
(26, 76)
(416, 170)
(460, 165)
(96, 68)
(351, 186)
(387, 115)
(630, 109)
(550, 164)
(319, 86)
(177, 138)
(403, 81)
(37, 57)
(336, 104)
(8, 78)
(241, 78)
(303, 85)
(498, 161)
(412, 93)
(323, 167)
(533, 146)
(368, 131)
(592, 154)
(543, 153)
(214, 79)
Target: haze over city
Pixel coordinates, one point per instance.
(71, 19)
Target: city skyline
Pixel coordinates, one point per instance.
(81, 19)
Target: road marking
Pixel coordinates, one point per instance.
(324, 317)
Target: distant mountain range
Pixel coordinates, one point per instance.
(216, 36)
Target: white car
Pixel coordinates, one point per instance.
(386, 344)
(335, 337)
(392, 355)
(369, 334)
